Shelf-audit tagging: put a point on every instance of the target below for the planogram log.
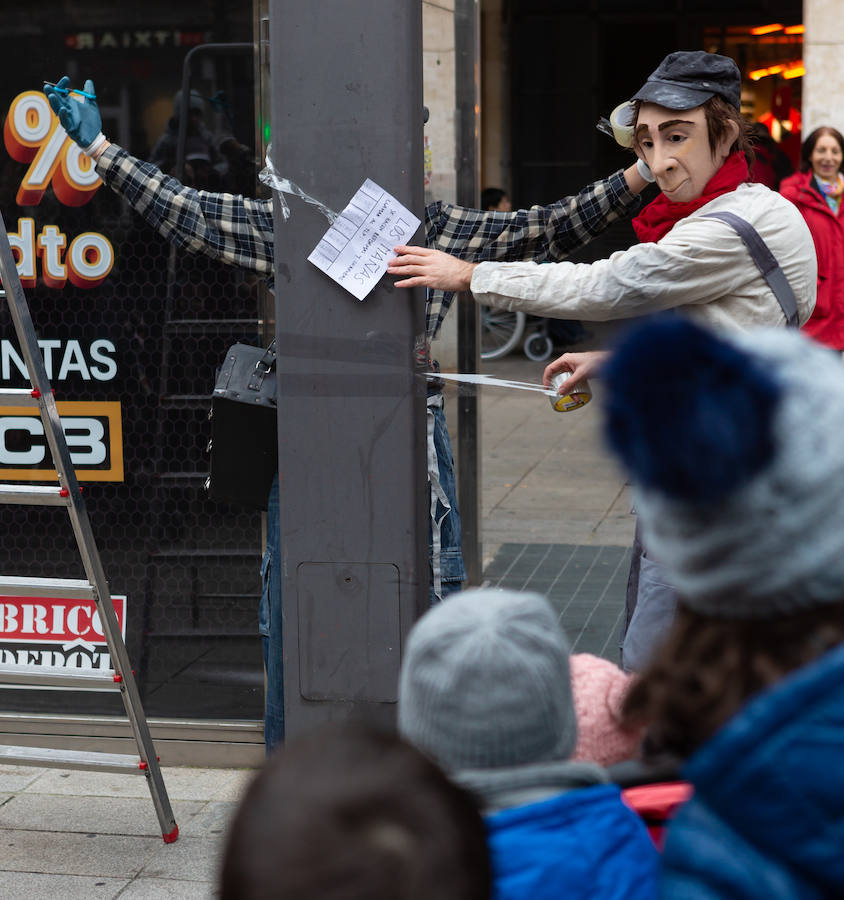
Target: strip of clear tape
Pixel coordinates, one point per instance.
(493, 381)
(281, 185)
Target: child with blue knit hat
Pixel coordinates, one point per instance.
(485, 691)
(736, 447)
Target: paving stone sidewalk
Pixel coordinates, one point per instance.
(584, 583)
(556, 508)
(86, 835)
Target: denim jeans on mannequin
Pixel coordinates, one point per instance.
(452, 571)
(269, 624)
(444, 529)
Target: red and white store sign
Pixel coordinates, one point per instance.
(55, 631)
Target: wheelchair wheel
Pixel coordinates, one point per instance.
(501, 331)
(538, 346)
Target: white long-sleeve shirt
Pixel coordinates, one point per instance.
(701, 266)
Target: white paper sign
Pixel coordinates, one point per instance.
(356, 248)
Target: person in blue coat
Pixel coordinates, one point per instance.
(737, 449)
(485, 691)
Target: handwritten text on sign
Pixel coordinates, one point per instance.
(356, 248)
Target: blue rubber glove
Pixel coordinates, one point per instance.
(81, 121)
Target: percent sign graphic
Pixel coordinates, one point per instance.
(32, 133)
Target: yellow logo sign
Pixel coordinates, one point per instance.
(94, 435)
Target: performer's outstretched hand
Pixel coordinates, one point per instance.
(81, 120)
(425, 267)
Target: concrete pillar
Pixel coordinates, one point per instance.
(347, 106)
(823, 55)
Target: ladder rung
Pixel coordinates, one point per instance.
(18, 397)
(70, 759)
(71, 588)
(54, 677)
(34, 495)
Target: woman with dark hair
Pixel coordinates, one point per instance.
(737, 452)
(816, 191)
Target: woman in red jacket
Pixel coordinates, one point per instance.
(817, 190)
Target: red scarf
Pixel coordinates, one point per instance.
(662, 214)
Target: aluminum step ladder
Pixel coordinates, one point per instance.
(67, 493)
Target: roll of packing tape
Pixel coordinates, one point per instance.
(621, 122)
(579, 396)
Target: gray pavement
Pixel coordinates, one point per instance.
(556, 507)
(94, 835)
(546, 476)
(556, 519)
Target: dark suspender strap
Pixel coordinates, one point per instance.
(766, 261)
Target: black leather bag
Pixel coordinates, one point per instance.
(244, 443)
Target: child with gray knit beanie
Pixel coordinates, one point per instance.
(485, 691)
(736, 446)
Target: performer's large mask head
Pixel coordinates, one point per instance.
(688, 121)
(676, 145)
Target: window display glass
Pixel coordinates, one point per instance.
(132, 332)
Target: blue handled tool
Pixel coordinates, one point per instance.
(61, 90)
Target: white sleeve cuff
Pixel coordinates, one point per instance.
(98, 141)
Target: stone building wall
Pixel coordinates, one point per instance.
(438, 61)
(823, 55)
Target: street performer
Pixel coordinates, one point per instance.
(688, 129)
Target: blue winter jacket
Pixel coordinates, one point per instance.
(581, 844)
(767, 817)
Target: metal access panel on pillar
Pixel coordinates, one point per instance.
(346, 106)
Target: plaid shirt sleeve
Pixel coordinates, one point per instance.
(239, 231)
(232, 229)
(540, 233)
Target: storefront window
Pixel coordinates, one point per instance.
(132, 333)
(770, 55)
